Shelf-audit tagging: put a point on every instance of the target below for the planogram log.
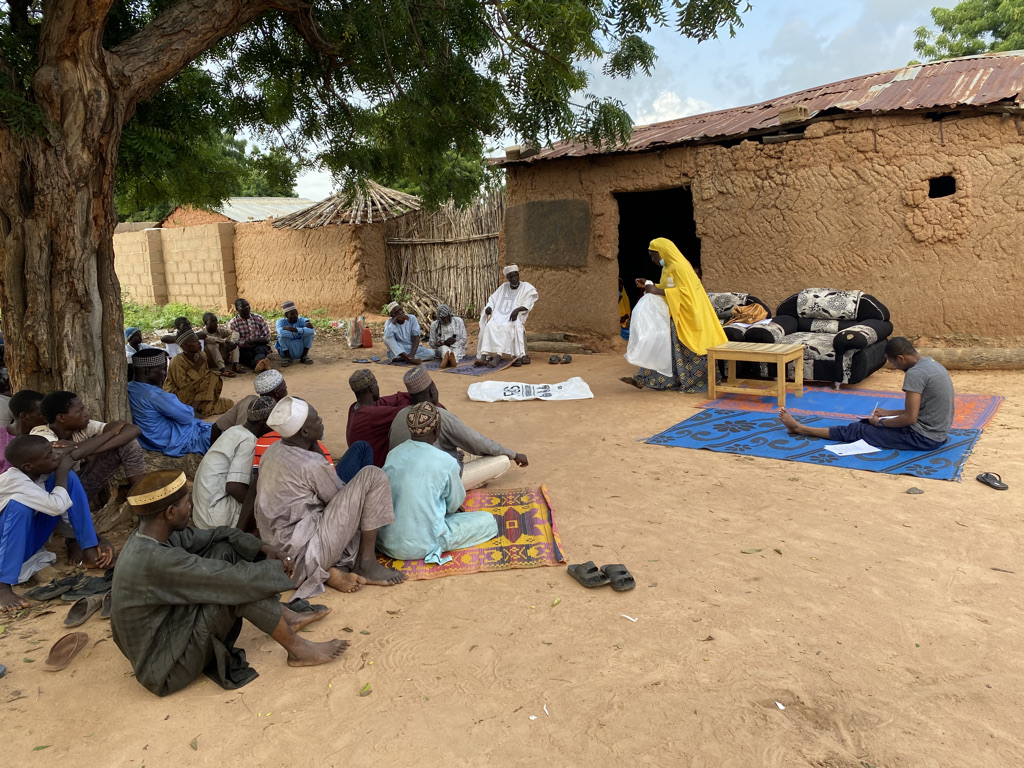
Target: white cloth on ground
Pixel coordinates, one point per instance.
(515, 391)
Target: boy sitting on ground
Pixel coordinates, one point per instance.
(36, 494)
(27, 416)
(921, 425)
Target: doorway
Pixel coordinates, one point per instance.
(643, 216)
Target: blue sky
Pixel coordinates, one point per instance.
(784, 46)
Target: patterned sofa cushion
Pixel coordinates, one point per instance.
(725, 303)
(828, 305)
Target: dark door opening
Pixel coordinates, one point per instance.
(643, 216)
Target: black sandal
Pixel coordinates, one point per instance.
(992, 480)
(588, 575)
(620, 577)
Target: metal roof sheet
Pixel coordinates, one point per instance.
(260, 208)
(969, 81)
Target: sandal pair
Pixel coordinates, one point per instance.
(590, 576)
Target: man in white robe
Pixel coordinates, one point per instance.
(503, 322)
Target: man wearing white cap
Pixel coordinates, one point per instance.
(327, 526)
(402, 337)
(503, 322)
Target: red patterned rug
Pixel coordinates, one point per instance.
(527, 536)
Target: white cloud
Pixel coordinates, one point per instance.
(314, 185)
(668, 105)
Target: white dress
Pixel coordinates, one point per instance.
(498, 334)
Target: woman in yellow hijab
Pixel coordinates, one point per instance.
(695, 327)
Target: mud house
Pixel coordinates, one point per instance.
(906, 184)
(326, 255)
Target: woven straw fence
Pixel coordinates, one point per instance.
(449, 255)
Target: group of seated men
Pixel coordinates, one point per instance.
(314, 523)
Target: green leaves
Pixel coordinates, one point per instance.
(972, 27)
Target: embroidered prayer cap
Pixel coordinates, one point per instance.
(149, 358)
(267, 382)
(157, 491)
(186, 335)
(422, 418)
(260, 408)
(510, 269)
(443, 310)
(129, 332)
(288, 416)
(392, 307)
(361, 380)
(417, 380)
(288, 306)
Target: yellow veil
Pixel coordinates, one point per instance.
(697, 325)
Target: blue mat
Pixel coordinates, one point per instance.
(749, 433)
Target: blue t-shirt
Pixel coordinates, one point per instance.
(168, 425)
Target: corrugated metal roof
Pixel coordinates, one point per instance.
(260, 208)
(970, 81)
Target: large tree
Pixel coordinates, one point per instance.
(972, 27)
(392, 88)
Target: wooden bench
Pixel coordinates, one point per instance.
(780, 354)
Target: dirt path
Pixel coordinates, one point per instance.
(883, 628)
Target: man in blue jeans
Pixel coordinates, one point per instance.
(921, 425)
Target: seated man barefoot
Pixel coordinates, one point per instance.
(223, 493)
(402, 337)
(370, 416)
(253, 337)
(428, 496)
(36, 494)
(294, 336)
(448, 337)
(168, 425)
(921, 425)
(190, 379)
(221, 347)
(303, 508)
(490, 459)
(103, 447)
(180, 594)
(27, 415)
(503, 322)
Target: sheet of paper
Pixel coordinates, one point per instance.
(851, 449)
(749, 325)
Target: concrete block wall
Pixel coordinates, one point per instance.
(139, 263)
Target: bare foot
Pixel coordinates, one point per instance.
(299, 621)
(307, 654)
(343, 581)
(791, 424)
(632, 382)
(9, 601)
(377, 574)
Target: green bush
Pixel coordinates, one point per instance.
(149, 317)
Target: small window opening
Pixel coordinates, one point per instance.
(941, 186)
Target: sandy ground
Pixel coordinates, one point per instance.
(884, 628)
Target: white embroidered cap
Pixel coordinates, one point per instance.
(288, 416)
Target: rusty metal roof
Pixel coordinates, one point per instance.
(990, 79)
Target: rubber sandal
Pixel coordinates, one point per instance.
(227, 374)
(64, 650)
(992, 480)
(83, 609)
(305, 361)
(588, 575)
(89, 585)
(518, 363)
(3, 670)
(622, 580)
(566, 359)
(554, 359)
(629, 380)
(105, 610)
(525, 360)
(55, 588)
(285, 362)
(304, 606)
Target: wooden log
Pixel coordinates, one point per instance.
(561, 347)
(541, 336)
(977, 358)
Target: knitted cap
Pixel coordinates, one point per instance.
(361, 380)
(260, 408)
(267, 382)
(417, 379)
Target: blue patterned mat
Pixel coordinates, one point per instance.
(748, 433)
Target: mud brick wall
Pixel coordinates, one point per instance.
(339, 268)
(199, 265)
(847, 206)
(139, 264)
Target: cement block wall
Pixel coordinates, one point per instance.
(139, 264)
(845, 207)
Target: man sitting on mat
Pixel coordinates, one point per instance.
(921, 425)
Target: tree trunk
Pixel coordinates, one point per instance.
(62, 316)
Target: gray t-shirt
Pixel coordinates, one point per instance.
(935, 416)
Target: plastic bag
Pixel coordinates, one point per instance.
(650, 334)
(493, 391)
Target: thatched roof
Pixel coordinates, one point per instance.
(377, 203)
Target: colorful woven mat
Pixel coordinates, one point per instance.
(527, 536)
(763, 435)
(969, 412)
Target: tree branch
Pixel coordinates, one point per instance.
(181, 34)
(67, 23)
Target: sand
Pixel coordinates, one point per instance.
(883, 628)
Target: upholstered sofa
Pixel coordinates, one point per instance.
(844, 333)
(725, 303)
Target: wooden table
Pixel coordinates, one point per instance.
(780, 354)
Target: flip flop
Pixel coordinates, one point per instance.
(305, 361)
(285, 362)
(554, 359)
(89, 585)
(992, 480)
(518, 363)
(588, 575)
(83, 609)
(105, 610)
(362, 360)
(227, 374)
(64, 650)
(304, 606)
(55, 588)
(622, 580)
(566, 359)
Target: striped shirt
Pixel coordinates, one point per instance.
(252, 327)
